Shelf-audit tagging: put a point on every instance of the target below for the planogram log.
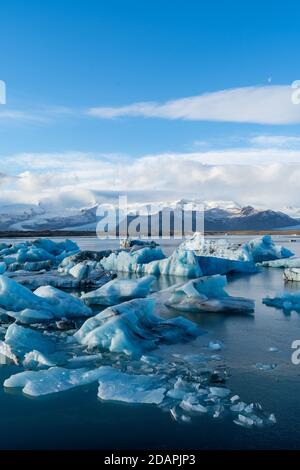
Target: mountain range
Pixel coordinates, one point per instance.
(218, 216)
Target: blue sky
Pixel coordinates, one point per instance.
(70, 68)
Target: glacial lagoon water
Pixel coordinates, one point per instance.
(78, 420)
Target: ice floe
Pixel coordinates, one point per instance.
(119, 290)
(53, 380)
(130, 388)
(207, 294)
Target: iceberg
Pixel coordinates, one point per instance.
(53, 380)
(130, 388)
(38, 254)
(207, 294)
(63, 305)
(15, 297)
(56, 248)
(286, 301)
(131, 242)
(44, 304)
(117, 291)
(20, 340)
(218, 248)
(132, 262)
(264, 249)
(282, 263)
(292, 274)
(181, 263)
(133, 328)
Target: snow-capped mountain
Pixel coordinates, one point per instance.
(218, 215)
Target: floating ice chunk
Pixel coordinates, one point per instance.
(215, 345)
(265, 367)
(63, 305)
(287, 301)
(244, 421)
(119, 386)
(292, 274)
(272, 418)
(189, 405)
(238, 407)
(264, 249)
(56, 248)
(207, 294)
(220, 392)
(53, 380)
(219, 248)
(117, 291)
(211, 265)
(35, 359)
(133, 328)
(282, 263)
(30, 316)
(33, 254)
(2, 267)
(131, 242)
(131, 262)
(181, 263)
(20, 340)
(15, 297)
(80, 271)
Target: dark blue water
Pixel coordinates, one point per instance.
(78, 420)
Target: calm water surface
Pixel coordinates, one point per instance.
(78, 420)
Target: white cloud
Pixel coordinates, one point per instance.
(258, 176)
(277, 140)
(256, 104)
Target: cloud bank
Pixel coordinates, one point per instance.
(257, 176)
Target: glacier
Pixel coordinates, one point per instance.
(207, 294)
(118, 290)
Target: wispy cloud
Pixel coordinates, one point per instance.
(256, 104)
(276, 140)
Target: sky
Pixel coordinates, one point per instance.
(157, 98)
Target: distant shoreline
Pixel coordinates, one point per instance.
(72, 233)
